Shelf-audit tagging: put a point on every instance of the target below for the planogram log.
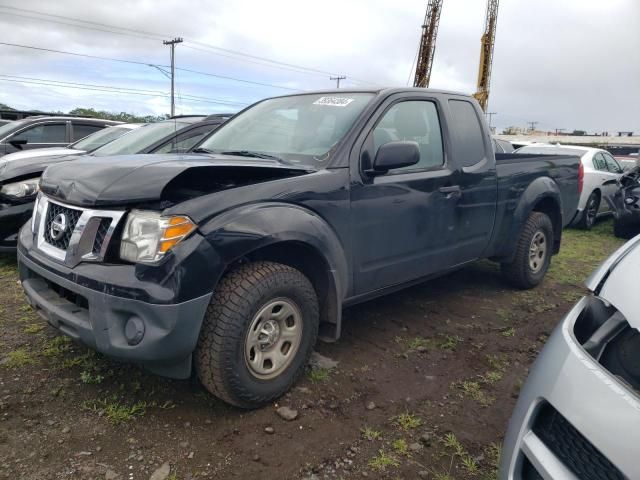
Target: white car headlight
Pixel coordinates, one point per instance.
(23, 189)
(147, 235)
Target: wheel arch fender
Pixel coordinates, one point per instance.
(288, 234)
(542, 195)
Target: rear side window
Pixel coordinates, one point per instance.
(81, 130)
(414, 120)
(612, 165)
(467, 133)
(599, 162)
(47, 133)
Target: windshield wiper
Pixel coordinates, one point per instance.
(250, 154)
(202, 150)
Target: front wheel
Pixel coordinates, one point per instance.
(258, 334)
(533, 253)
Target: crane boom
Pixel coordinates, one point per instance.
(427, 44)
(486, 54)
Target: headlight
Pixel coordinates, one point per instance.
(147, 236)
(23, 189)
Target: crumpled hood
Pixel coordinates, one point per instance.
(25, 166)
(616, 281)
(130, 179)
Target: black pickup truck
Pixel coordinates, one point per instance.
(234, 259)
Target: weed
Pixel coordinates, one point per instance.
(449, 342)
(19, 358)
(91, 378)
(508, 332)
(474, 390)
(407, 421)
(492, 453)
(318, 375)
(115, 411)
(492, 377)
(56, 346)
(380, 462)
(401, 447)
(419, 343)
(469, 463)
(33, 328)
(370, 434)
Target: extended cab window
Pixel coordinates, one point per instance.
(47, 133)
(417, 121)
(467, 132)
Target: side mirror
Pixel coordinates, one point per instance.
(394, 155)
(18, 143)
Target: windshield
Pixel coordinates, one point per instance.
(10, 127)
(98, 139)
(140, 138)
(301, 129)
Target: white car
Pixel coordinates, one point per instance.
(598, 167)
(85, 145)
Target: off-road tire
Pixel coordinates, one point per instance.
(587, 222)
(220, 356)
(624, 230)
(519, 272)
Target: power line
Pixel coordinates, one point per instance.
(337, 79)
(111, 89)
(155, 36)
(147, 64)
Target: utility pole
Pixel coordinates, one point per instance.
(337, 79)
(490, 115)
(532, 126)
(559, 131)
(173, 70)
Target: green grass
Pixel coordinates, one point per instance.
(318, 375)
(401, 447)
(407, 421)
(382, 461)
(19, 358)
(449, 342)
(33, 328)
(370, 434)
(56, 346)
(474, 390)
(508, 332)
(91, 378)
(116, 412)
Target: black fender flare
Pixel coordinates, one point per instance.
(237, 233)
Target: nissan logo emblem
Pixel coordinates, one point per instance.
(59, 226)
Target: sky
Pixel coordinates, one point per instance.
(571, 64)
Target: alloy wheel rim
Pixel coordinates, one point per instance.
(273, 338)
(537, 251)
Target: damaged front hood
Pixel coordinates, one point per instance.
(135, 179)
(615, 281)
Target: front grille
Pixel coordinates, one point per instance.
(572, 448)
(529, 472)
(72, 217)
(101, 234)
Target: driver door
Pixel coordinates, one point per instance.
(402, 220)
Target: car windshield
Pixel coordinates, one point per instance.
(99, 138)
(10, 127)
(141, 138)
(300, 129)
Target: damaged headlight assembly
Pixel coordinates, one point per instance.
(148, 236)
(23, 189)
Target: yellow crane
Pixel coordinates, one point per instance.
(487, 42)
(427, 44)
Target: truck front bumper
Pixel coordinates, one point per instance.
(159, 336)
(12, 217)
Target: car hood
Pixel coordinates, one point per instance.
(615, 281)
(23, 167)
(41, 152)
(134, 179)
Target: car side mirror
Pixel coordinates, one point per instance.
(18, 143)
(394, 155)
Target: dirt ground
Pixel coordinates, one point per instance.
(424, 387)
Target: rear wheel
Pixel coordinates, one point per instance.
(533, 252)
(590, 211)
(258, 334)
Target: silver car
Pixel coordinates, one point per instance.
(578, 415)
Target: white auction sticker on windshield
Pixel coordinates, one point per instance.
(334, 101)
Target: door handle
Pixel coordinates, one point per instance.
(453, 192)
